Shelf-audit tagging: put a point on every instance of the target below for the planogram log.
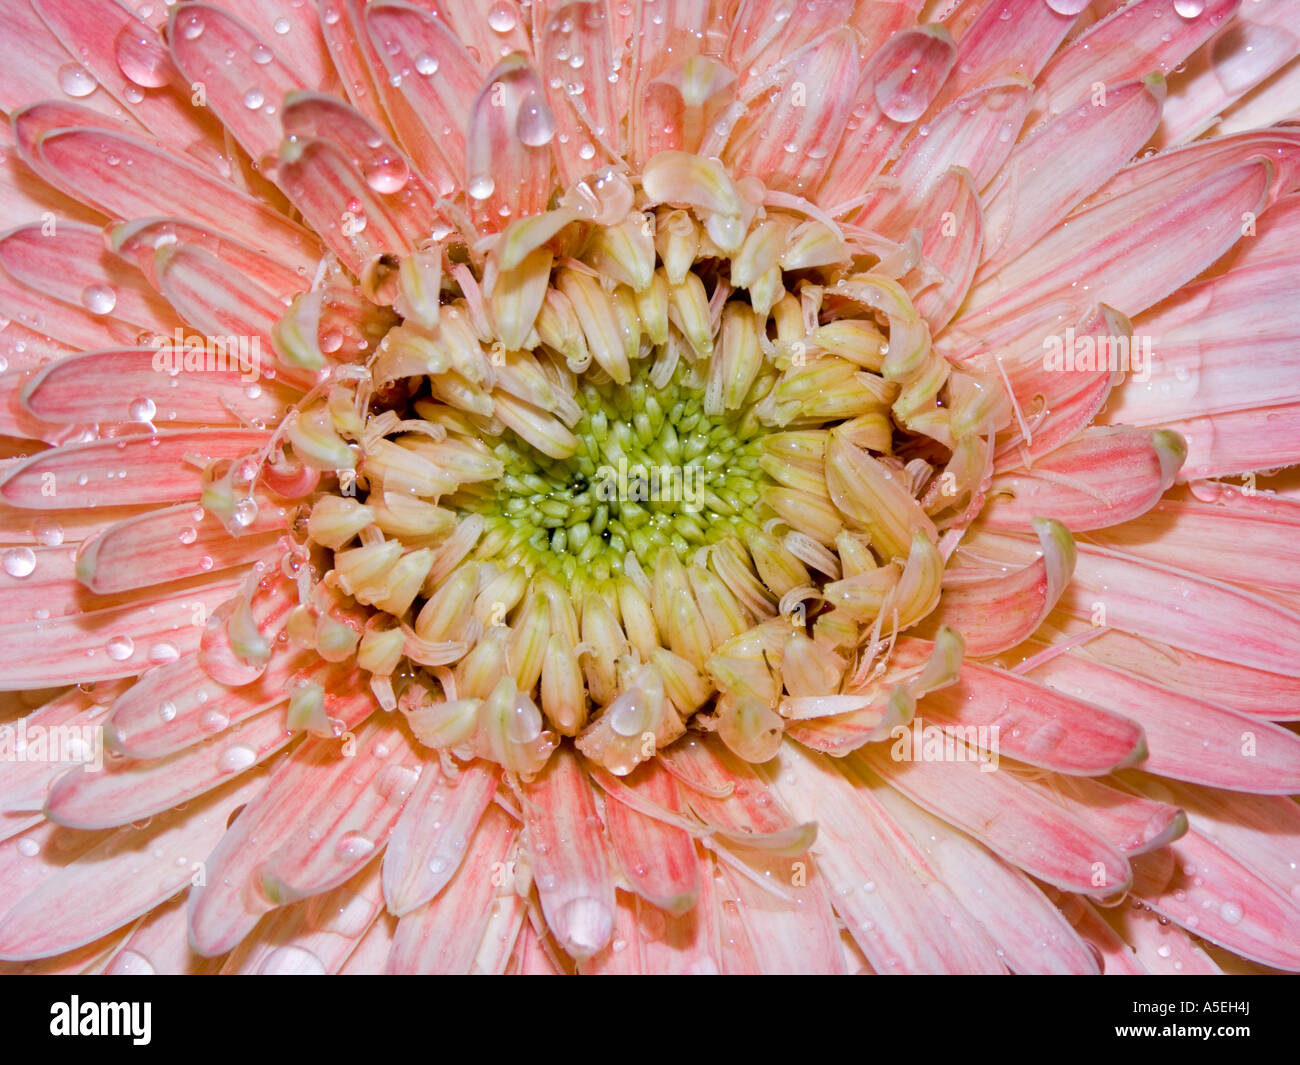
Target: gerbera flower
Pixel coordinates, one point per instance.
(649, 485)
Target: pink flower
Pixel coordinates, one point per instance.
(649, 486)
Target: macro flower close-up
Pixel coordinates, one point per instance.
(649, 486)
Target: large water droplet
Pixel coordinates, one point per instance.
(141, 56)
(1189, 8)
(236, 758)
(167, 710)
(76, 80)
(1067, 7)
(193, 28)
(48, 532)
(142, 409)
(425, 64)
(1231, 912)
(19, 562)
(501, 17)
(120, 648)
(386, 173)
(523, 722)
(98, 299)
(353, 845)
(254, 98)
(481, 187)
(535, 125)
(245, 512)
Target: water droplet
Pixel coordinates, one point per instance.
(188, 535)
(501, 17)
(29, 848)
(425, 64)
(98, 299)
(19, 562)
(535, 125)
(481, 187)
(386, 173)
(1067, 7)
(76, 80)
(236, 758)
(142, 409)
(438, 864)
(213, 721)
(163, 652)
(353, 845)
(1189, 8)
(141, 56)
(48, 533)
(193, 28)
(245, 512)
(1229, 911)
(254, 98)
(167, 711)
(120, 648)
(281, 26)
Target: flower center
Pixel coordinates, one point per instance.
(651, 470)
(668, 454)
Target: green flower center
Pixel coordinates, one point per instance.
(652, 470)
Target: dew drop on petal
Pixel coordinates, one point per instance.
(98, 299)
(245, 511)
(1231, 912)
(1189, 8)
(76, 80)
(261, 54)
(535, 125)
(282, 26)
(481, 187)
(353, 845)
(167, 711)
(236, 758)
(142, 409)
(120, 648)
(254, 98)
(501, 17)
(193, 28)
(426, 65)
(188, 535)
(386, 174)
(29, 848)
(48, 533)
(141, 56)
(1067, 7)
(162, 652)
(19, 562)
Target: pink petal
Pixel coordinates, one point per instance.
(432, 834)
(443, 935)
(1189, 739)
(142, 468)
(1012, 821)
(104, 386)
(1137, 39)
(567, 849)
(899, 912)
(227, 906)
(1032, 193)
(120, 641)
(1103, 477)
(121, 877)
(658, 860)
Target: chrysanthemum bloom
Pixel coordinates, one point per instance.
(649, 485)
